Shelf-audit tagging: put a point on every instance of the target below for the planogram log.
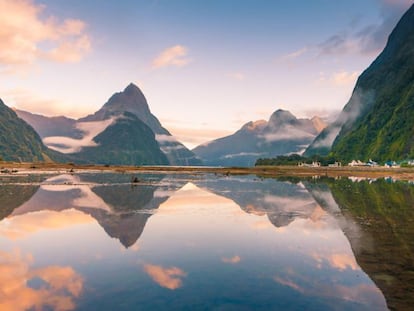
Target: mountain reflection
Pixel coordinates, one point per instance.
(377, 218)
(282, 202)
(13, 195)
(121, 208)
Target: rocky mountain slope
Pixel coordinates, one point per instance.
(18, 140)
(282, 134)
(132, 100)
(123, 131)
(377, 122)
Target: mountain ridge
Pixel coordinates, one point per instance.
(58, 131)
(377, 120)
(18, 140)
(282, 133)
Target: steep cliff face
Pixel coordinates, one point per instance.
(18, 140)
(377, 122)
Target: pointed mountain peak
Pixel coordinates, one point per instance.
(281, 116)
(133, 90)
(131, 99)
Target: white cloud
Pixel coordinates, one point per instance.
(369, 39)
(287, 132)
(241, 154)
(166, 277)
(162, 138)
(27, 34)
(173, 56)
(72, 145)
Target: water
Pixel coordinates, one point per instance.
(204, 242)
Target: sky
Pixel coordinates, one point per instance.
(205, 67)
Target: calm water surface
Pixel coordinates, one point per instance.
(204, 242)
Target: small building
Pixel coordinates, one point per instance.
(357, 163)
(391, 164)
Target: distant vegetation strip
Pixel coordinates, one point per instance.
(261, 171)
(330, 160)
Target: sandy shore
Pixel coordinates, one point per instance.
(288, 171)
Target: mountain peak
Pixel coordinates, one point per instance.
(133, 90)
(281, 116)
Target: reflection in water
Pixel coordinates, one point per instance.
(233, 260)
(116, 206)
(166, 277)
(212, 242)
(25, 288)
(378, 219)
(13, 195)
(23, 225)
(282, 202)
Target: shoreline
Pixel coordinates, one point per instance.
(263, 171)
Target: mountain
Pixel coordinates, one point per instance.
(132, 100)
(123, 131)
(126, 140)
(18, 140)
(376, 217)
(282, 134)
(377, 122)
(120, 209)
(282, 202)
(51, 126)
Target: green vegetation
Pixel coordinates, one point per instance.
(18, 141)
(377, 122)
(383, 246)
(295, 159)
(386, 131)
(128, 141)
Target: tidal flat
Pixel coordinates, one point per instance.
(141, 239)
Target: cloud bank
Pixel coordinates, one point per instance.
(71, 145)
(369, 39)
(27, 34)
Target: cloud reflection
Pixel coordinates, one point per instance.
(23, 225)
(363, 294)
(23, 288)
(166, 277)
(232, 260)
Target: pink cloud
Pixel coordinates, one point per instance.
(166, 277)
(25, 31)
(173, 56)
